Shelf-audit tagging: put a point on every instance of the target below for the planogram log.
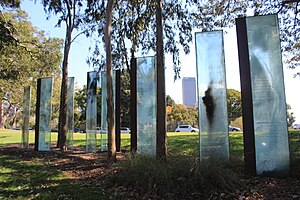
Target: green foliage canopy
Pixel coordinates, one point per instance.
(180, 114)
(290, 115)
(33, 56)
(234, 104)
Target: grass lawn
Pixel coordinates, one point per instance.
(33, 180)
(182, 143)
(21, 179)
(177, 143)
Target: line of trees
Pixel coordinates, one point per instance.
(124, 28)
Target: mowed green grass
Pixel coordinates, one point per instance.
(177, 143)
(21, 179)
(33, 180)
(8, 137)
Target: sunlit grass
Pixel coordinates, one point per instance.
(177, 142)
(34, 180)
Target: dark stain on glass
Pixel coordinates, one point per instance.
(209, 103)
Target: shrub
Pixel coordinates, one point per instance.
(175, 178)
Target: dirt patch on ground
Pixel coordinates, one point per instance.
(94, 168)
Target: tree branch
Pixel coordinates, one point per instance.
(296, 12)
(82, 32)
(290, 1)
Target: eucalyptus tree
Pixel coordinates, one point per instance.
(234, 104)
(290, 115)
(69, 13)
(161, 132)
(134, 30)
(33, 55)
(10, 3)
(6, 28)
(110, 99)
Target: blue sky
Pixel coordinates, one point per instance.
(79, 49)
(79, 52)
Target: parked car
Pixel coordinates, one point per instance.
(76, 130)
(232, 128)
(296, 126)
(125, 130)
(186, 128)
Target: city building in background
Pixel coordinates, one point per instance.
(189, 91)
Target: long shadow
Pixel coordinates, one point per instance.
(23, 176)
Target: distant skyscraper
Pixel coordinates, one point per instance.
(189, 91)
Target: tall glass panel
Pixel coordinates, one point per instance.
(26, 116)
(70, 112)
(268, 96)
(103, 131)
(45, 114)
(91, 112)
(146, 105)
(212, 97)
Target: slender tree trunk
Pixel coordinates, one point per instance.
(161, 150)
(63, 95)
(4, 116)
(110, 101)
(1, 116)
(14, 122)
(118, 110)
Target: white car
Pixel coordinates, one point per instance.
(125, 130)
(186, 128)
(296, 126)
(232, 129)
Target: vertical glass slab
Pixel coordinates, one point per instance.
(212, 98)
(70, 112)
(45, 114)
(146, 106)
(26, 116)
(91, 112)
(268, 96)
(103, 131)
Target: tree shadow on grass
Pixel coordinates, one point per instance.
(24, 176)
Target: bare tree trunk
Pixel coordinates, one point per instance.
(118, 110)
(1, 116)
(14, 122)
(62, 138)
(4, 115)
(161, 150)
(63, 103)
(110, 100)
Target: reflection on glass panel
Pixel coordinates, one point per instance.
(70, 112)
(212, 96)
(91, 112)
(146, 105)
(26, 116)
(103, 130)
(45, 115)
(269, 108)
